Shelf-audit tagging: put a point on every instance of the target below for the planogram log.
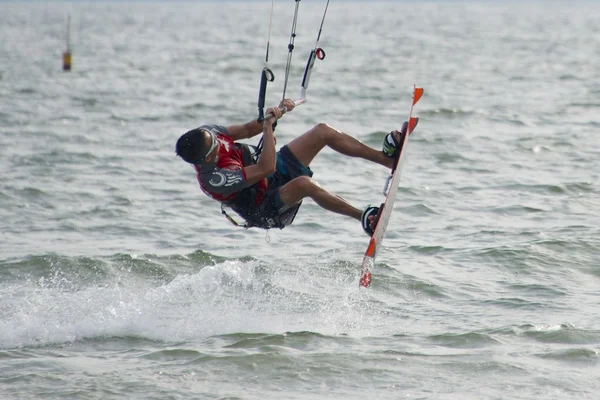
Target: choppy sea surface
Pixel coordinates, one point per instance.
(120, 279)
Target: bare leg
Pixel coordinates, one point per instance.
(303, 186)
(309, 144)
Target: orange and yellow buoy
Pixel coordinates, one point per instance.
(67, 54)
(67, 61)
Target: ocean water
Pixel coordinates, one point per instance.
(120, 279)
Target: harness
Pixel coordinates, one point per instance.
(245, 200)
(244, 203)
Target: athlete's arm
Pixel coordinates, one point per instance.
(267, 160)
(244, 131)
(253, 128)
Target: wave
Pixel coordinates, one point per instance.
(563, 188)
(446, 113)
(53, 299)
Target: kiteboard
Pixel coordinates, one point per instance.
(389, 191)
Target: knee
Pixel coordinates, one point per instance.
(323, 127)
(325, 131)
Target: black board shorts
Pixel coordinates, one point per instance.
(274, 213)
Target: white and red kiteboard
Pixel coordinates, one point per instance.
(389, 191)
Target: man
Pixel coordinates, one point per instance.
(267, 190)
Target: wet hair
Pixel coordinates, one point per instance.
(192, 145)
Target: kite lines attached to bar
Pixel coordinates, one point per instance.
(267, 74)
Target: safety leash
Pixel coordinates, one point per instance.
(266, 74)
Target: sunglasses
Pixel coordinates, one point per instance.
(214, 144)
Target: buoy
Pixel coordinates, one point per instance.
(67, 61)
(67, 54)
